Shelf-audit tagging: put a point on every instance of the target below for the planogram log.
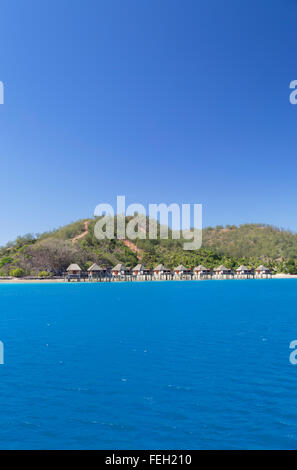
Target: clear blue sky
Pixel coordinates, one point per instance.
(162, 101)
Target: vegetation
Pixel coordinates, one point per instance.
(17, 272)
(42, 274)
(52, 252)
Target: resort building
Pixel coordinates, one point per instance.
(223, 273)
(140, 271)
(263, 272)
(180, 272)
(73, 271)
(243, 272)
(201, 272)
(120, 270)
(161, 272)
(95, 271)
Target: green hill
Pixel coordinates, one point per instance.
(249, 244)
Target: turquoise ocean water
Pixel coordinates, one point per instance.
(155, 365)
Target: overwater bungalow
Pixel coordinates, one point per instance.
(201, 272)
(243, 272)
(95, 271)
(120, 270)
(73, 271)
(180, 269)
(161, 272)
(263, 272)
(223, 273)
(180, 272)
(140, 271)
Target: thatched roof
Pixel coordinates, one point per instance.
(222, 268)
(161, 267)
(242, 268)
(120, 267)
(73, 267)
(180, 268)
(95, 267)
(139, 267)
(262, 268)
(201, 268)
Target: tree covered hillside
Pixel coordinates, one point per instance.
(51, 252)
(251, 240)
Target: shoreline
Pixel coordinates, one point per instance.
(62, 281)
